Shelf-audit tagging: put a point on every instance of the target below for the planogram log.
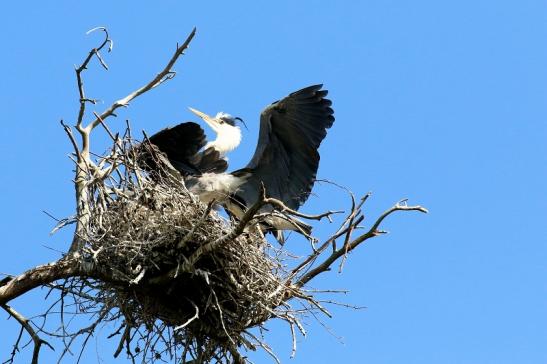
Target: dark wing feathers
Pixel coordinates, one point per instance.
(209, 161)
(286, 157)
(182, 144)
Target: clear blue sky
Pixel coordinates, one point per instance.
(443, 102)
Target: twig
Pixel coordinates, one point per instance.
(293, 335)
(196, 315)
(236, 231)
(160, 78)
(83, 66)
(106, 128)
(283, 208)
(125, 337)
(72, 139)
(325, 265)
(15, 346)
(34, 336)
(181, 244)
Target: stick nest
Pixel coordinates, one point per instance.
(173, 260)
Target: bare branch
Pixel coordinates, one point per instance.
(34, 336)
(164, 75)
(83, 66)
(83, 152)
(283, 208)
(106, 128)
(72, 139)
(36, 277)
(325, 265)
(15, 346)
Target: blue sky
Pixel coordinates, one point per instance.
(444, 103)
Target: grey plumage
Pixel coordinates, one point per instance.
(285, 160)
(286, 157)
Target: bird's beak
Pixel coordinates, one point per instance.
(212, 122)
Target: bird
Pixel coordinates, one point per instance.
(284, 164)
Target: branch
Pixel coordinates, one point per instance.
(83, 153)
(69, 266)
(164, 75)
(83, 66)
(195, 316)
(344, 229)
(83, 161)
(37, 277)
(283, 208)
(325, 266)
(25, 323)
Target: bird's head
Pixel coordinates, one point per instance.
(224, 125)
(221, 122)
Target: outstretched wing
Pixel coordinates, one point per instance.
(286, 157)
(182, 144)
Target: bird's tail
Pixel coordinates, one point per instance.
(302, 227)
(280, 222)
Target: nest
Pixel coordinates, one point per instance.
(176, 271)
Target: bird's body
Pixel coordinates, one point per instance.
(213, 186)
(285, 161)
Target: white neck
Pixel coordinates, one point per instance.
(228, 138)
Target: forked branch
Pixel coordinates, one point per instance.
(166, 74)
(86, 170)
(351, 245)
(25, 324)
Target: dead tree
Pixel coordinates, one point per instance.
(175, 280)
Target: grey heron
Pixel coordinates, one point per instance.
(285, 161)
